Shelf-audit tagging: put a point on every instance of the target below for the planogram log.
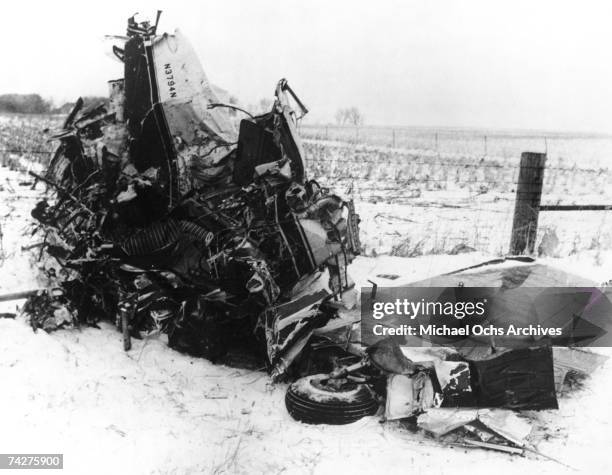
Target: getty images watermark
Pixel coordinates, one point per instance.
(31, 461)
(481, 316)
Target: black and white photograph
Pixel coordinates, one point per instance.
(306, 237)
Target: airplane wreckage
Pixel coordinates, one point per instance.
(170, 218)
(165, 217)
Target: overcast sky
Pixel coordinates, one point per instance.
(535, 64)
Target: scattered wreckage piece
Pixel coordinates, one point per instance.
(17, 295)
(498, 447)
(512, 379)
(454, 380)
(575, 361)
(408, 395)
(166, 217)
(447, 384)
(497, 429)
(506, 424)
(441, 421)
(485, 376)
(501, 430)
(519, 379)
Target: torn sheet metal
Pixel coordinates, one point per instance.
(505, 423)
(518, 379)
(441, 421)
(408, 395)
(455, 383)
(515, 379)
(290, 325)
(203, 137)
(181, 79)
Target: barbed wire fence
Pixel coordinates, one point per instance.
(582, 148)
(447, 203)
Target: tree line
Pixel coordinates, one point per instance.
(35, 104)
(349, 116)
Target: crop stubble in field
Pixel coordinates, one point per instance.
(416, 200)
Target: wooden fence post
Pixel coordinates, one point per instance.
(527, 206)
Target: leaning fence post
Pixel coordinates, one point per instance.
(527, 206)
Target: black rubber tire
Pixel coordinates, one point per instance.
(308, 402)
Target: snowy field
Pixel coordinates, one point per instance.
(153, 410)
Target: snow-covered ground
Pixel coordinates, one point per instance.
(153, 410)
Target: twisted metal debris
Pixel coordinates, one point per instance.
(162, 216)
